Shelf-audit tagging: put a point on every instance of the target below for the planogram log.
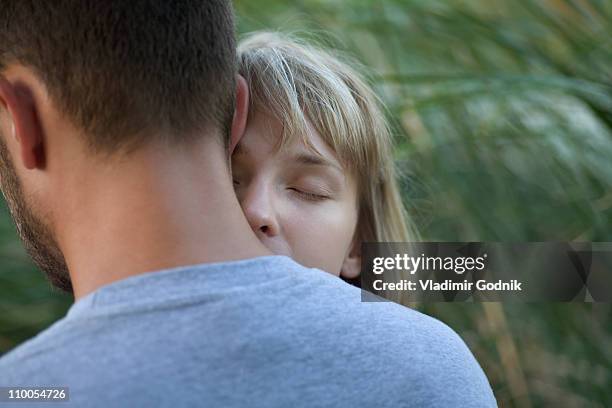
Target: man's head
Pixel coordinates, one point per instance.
(124, 74)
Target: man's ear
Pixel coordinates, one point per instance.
(241, 113)
(18, 101)
(351, 267)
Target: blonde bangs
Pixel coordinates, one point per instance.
(297, 83)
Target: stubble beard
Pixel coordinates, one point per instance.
(37, 238)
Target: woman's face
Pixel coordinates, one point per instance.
(298, 203)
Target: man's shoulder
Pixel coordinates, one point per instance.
(428, 355)
(29, 359)
(422, 352)
(385, 322)
(328, 299)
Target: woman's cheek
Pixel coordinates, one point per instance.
(319, 235)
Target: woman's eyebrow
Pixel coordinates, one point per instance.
(313, 160)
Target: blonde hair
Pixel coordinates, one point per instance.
(295, 83)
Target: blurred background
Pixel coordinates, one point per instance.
(503, 116)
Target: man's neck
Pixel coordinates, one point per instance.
(155, 210)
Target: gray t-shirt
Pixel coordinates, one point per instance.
(263, 332)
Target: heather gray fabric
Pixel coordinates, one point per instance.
(264, 332)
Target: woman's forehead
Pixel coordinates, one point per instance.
(267, 134)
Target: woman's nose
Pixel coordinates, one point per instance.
(258, 207)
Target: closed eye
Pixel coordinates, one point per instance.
(307, 195)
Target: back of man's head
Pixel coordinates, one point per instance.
(112, 76)
(125, 70)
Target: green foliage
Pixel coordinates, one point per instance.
(503, 117)
(27, 302)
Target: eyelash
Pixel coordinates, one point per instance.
(303, 194)
(308, 196)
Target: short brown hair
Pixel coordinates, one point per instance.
(121, 69)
